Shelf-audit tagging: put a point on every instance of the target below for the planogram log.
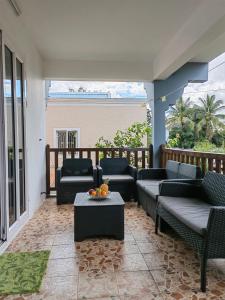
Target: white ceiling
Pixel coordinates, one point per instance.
(104, 30)
(123, 39)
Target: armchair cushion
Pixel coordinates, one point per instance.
(77, 167)
(76, 179)
(118, 178)
(193, 212)
(114, 166)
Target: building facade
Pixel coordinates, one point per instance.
(81, 122)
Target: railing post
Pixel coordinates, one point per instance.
(47, 153)
(150, 156)
(162, 158)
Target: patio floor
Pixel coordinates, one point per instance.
(144, 266)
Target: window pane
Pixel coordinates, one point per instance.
(72, 139)
(8, 87)
(61, 138)
(20, 118)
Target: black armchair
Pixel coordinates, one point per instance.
(122, 177)
(76, 175)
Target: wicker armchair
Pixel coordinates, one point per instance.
(76, 175)
(122, 176)
(197, 213)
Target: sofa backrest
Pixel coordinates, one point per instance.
(172, 169)
(187, 171)
(114, 166)
(214, 188)
(77, 167)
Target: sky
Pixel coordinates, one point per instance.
(116, 89)
(215, 84)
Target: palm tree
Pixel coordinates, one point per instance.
(179, 114)
(212, 116)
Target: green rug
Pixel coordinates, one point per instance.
(22, 273)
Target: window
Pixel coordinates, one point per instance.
(67, 138)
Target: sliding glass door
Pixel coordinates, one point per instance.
(12, 142)
(20, 131)
(3, 217)
(10, 135)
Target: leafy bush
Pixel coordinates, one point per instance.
(206, 146)
(132, 137)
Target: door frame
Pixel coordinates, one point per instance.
(20, 219)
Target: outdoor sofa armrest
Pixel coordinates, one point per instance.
(132, 171)
(58, 176)
(151, 173)
(179, 189)
(216, 228)
(190, 181)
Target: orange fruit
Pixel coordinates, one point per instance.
(93, 193)
(103, 193)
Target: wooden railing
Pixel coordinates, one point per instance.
(207, 161)
(139, 157)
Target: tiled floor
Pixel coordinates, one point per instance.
(144, 266)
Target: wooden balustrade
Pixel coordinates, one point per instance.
(207, 161)
(138, 157)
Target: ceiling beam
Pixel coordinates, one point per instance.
(205, 25)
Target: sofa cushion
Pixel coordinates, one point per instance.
(147, 182)
(187, 171)
(76, 179)
(116, 178)
(172, 169)
(152, 191)
(192, 212)
(214, 187)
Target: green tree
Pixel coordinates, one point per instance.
(212, 117)
(131, 137)
(180, 123)
(179, 114)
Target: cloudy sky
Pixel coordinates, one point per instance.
(116, 89)
(214, 85)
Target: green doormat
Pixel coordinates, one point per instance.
(22, 273)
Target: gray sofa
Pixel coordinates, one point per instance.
(197, 213)
(148, 181)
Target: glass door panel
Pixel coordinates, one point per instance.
(2, 151)
(20, 126)
(10, 134)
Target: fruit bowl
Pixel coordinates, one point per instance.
(98, 197)
(100, 193)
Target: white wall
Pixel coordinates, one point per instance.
(18, 40)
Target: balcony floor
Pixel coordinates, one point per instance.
(144, 266)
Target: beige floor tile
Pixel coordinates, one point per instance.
(64, 287)
(136, 284)
(62, 267)
(97, 286)
(63, 251)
